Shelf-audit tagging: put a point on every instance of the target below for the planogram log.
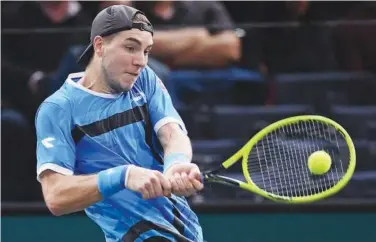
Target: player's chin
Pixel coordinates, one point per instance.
(127, 83)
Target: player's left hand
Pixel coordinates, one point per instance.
(185, 179)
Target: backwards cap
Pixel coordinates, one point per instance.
(111, 20)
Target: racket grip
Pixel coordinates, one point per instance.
(202, 178)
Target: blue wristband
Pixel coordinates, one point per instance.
(112, 180)
(174, 158)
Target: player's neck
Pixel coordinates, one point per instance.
(94, 80)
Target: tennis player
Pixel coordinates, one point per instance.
(110, 141)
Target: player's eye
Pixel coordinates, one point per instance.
(147, 51)
(130, 48)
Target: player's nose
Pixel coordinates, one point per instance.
(140, 61)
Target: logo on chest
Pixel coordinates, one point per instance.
(137, 96)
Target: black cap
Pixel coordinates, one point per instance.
(111, 20)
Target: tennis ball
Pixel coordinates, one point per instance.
(319, 162)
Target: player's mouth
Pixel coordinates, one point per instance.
(133, 74)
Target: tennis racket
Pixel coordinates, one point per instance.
(275, 160)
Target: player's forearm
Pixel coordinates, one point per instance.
(178, 143)
(213, 51)
(174, 140)
(68, 194)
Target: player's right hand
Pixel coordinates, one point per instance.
(149, 183)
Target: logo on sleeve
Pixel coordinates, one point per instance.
(47, 142)
(163, 87)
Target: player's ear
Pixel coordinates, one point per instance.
(98, 45)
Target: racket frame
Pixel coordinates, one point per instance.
(243, 153)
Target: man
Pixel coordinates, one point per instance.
(111, 142)
(68, 64)
(21, 70)
(185, 44)
(306, 48)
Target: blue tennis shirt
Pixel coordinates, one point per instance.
(80, 132)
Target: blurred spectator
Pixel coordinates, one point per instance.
(93, 7)
(18, 157)
(331, 10)
(200, 37)
(28, 57)
(298, 49)
(274, 11)
(254, 13)
(356, 44)
(186, 43)
(356, 51)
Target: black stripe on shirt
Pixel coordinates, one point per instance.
(118, 120)
(177, 222)
(144, 226)
(108, 124)
(149, 133)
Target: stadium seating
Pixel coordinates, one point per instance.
(210, 153)
(197, 121)
(234, 122)
(365, 155)
(223, 147)
(319, 89)
(359, 121)
(243, 122)
(231, 85)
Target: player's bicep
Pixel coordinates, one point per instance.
(48, 180)
(55, 145)
(168, 131)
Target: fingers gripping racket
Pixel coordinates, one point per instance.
(275, 160)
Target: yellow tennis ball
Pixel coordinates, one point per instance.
(319, 162)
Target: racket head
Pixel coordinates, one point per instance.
(292, 166)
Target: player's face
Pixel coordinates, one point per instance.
(124, 57)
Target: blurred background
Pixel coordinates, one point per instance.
(252, 63)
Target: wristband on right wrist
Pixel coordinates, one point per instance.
(112, 180)
(174, 158)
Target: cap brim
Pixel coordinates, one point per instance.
(86, 55)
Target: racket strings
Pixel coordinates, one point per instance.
(278, 163)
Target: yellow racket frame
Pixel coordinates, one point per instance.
(246, 149)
